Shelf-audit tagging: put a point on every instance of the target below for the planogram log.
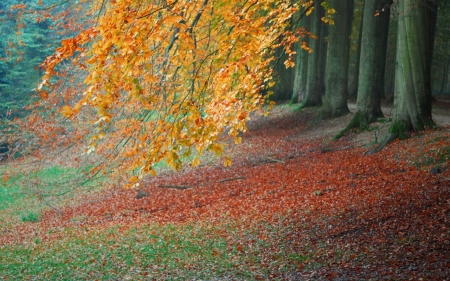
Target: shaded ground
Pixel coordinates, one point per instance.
(345, 216)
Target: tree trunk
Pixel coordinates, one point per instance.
(283, 76)
(444, 77)
(412, 96)
(301, 64)
(353, 87)
(372, 64)
(323, 55)
(335, 103)
(313, 93)
(389, 74)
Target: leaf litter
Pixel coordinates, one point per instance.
(346, 215)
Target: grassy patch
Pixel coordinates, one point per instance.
(21, 195)
(162, 252)
(433, 157)
(30, 217)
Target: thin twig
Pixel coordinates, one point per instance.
(231, 179)
(175, 186)
(275, 160)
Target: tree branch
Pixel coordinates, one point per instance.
(181, 187)
(231, 179)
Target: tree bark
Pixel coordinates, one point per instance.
(353, 87)
(313, 93)
(301, 64)
(335, 102)
(412, 96)
(374, 37)
(389, 74)
(283, 76)
(323, 55)
(444, 77)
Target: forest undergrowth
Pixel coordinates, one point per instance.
(293, 206)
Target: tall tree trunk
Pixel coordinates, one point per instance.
(444, 79)
(335, 103)
(389, 74)
(301, 64)
(372, 63)
(323, 55)
(412, 96)
(313, 87)
(353, 87)
(283, 76)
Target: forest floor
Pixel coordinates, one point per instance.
(293, 206)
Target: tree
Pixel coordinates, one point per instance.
(441, 53)
(336, 77)
(323, 47)
(163, 81)
(30, 32)
(29, 37)
(412, 97)
(301, 61)
(313, 88)
(355, 49)
(389, 75)
(283, 76)
(375, 27)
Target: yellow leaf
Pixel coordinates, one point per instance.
(195, 162)
(216, 148)
(67, 111)
(310, 11)
(133, 179)
(289, 63)
(227, 162)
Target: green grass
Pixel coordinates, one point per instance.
(162, 252)
(20, 195)
(433, 157)
(30, 217)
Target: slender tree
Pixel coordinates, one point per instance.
(354, 72)
(313, 88)
(335, 102)
(301, 62)
(441, 52)
(283, 76)
(391, 53)
(323, 47)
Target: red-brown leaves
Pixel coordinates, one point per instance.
(279, 173)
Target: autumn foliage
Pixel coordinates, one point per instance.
(355, 215)
(152, 81)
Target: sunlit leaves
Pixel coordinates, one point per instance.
(67, 111)
(165, 81)
(329, 12)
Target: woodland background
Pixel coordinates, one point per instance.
(312, 191)
(20, 70)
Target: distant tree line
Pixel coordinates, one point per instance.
(25, 42)
(375, 49)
